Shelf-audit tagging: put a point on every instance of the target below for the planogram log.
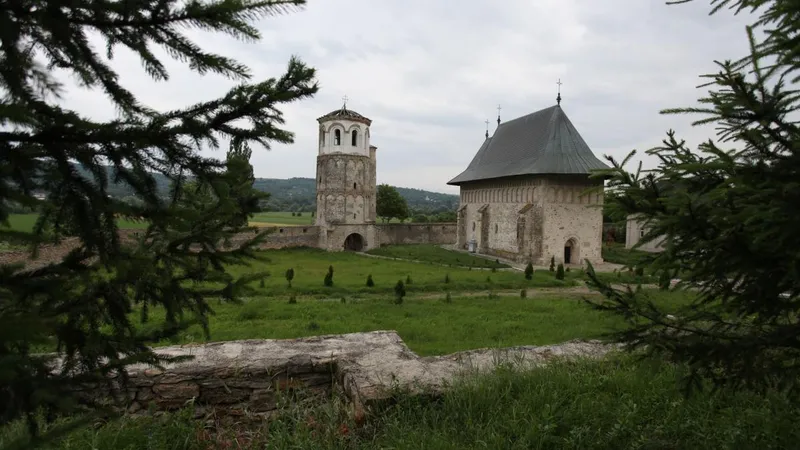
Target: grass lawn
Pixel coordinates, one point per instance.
(281, 218)
(429, 326)
(351, 271)
(617, 253)
(25, 222)
(434, 254)
(611, 404)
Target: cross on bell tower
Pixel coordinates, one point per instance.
(344, 102)
(558, 99)
(498, 115)
(487, 128)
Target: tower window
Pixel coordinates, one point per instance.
(354, 138)
(337, 137)
(354, 215)
(354, 185)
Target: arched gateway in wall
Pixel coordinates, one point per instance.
(354, 242)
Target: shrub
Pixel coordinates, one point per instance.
(328, 281)
(292, 300)
(343, 300)
(261, 283)
(448, 298)
(560, 272)
(552, 264)
(639, 271)
(290, 276)
(529, 271)
(408, 279)
(313, 326)
(567, 269)
(447, 277)
(399, 292)
(523, 293)
(489, 279)
(292, 214)
(494, 269)
(370, 283)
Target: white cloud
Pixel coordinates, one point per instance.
(429, 73)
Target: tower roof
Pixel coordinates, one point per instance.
(344, 113)
(543, 142)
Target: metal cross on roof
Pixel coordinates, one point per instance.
(344, 101)
(558, 99)
(487, 127)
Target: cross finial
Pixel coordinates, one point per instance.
(487, 128)
(344, 102)
(498, 115)
(558, 99)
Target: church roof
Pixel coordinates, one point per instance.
(543, 142)
(344, 113)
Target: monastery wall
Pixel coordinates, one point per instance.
(415, 233)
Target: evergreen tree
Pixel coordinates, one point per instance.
(370, 282)
(399, 292)
(560, 272)
(289, 276)
(529, 271)
(552, 264)
(723, 212)
(83, 302)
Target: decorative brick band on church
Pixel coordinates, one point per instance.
(527, 194)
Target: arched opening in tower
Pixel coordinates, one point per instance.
(354, 242)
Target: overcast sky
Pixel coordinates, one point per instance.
(428, 74)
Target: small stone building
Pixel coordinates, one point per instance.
(527, 195)
(635, 230)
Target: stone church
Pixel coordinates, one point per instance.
(527, 195)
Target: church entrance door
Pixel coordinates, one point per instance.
(570, 251)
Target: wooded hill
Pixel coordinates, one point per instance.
(299, 194)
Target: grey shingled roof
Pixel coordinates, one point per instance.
(544, 142)
(344, 113)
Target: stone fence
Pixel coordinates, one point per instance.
(415, 233)
(239, 377)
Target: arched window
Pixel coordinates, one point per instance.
(354, 185)
(337, 137)
(354, 138)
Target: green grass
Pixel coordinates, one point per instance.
(610, 404)
(435, 254)
(617, 253)
(25, 222)
(281, 218)
(428, 325)
(351, 271)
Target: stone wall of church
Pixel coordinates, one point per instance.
(532, 218)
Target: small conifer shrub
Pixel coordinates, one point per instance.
(370, 283)
(529, 271)
(399, 292)
(560, 272)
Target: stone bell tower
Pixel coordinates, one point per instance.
(346, 169)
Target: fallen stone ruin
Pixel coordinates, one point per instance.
(248, 377)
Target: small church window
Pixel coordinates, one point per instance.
(337, 137)
(495, 228)
(354, 215)
(354, 138)
(473, 226)
(354, 185)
